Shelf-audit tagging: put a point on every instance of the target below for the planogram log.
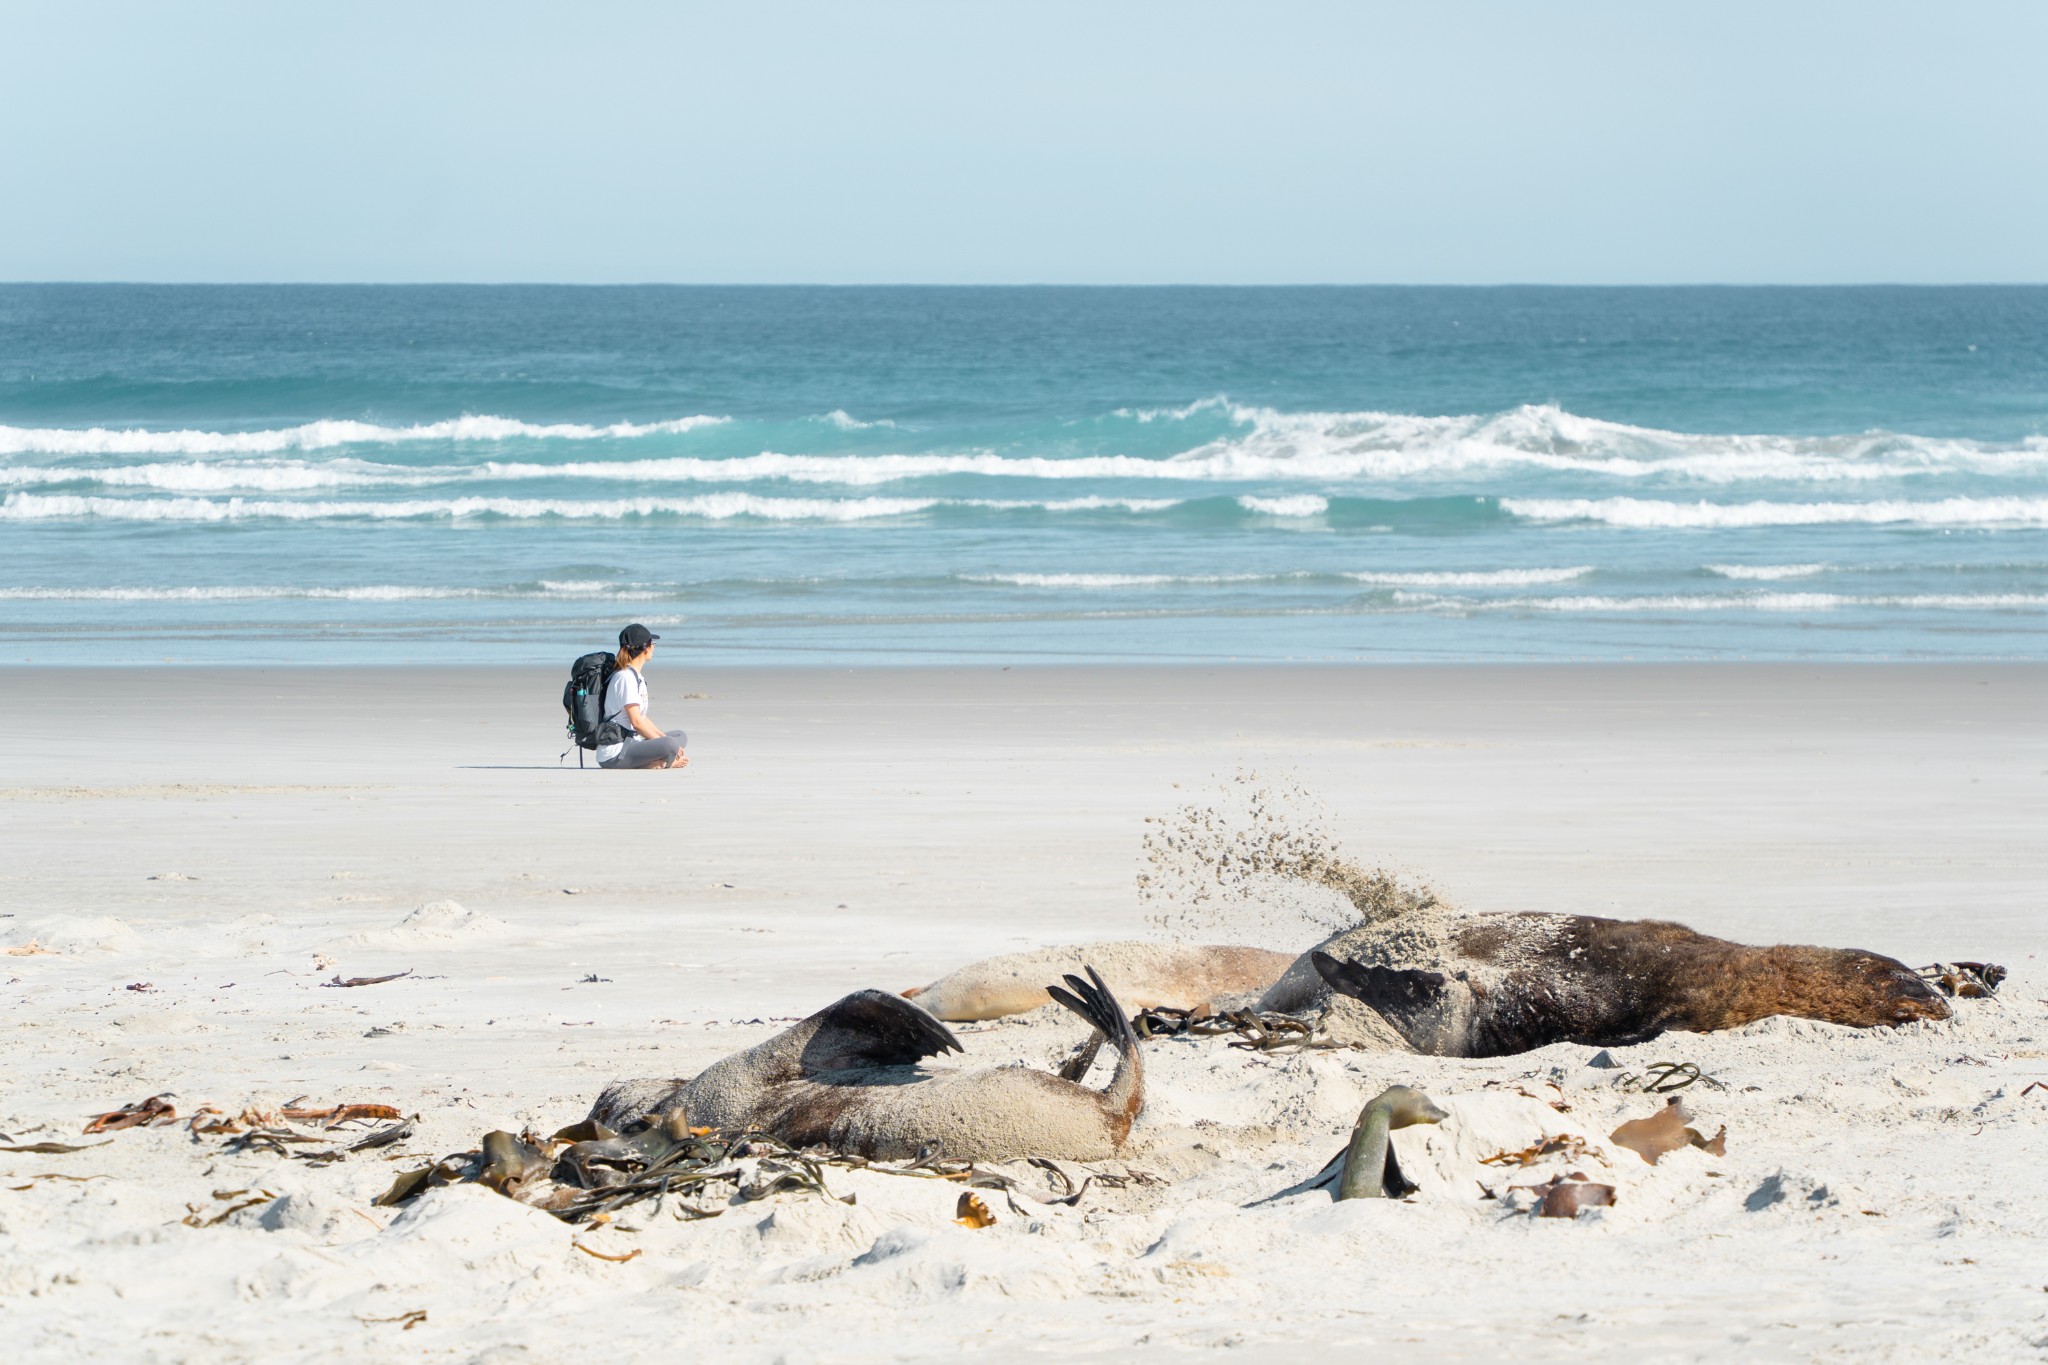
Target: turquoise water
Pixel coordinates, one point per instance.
(336, 474)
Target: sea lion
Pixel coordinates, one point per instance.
(1370, 1171)
(847, 1078)
(1489, 985)
(1143, 975)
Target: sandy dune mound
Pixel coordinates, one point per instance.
(437, 924)
(70, 935)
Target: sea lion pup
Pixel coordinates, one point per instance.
(1496, 984)
(847, 1078)
(1143, 975)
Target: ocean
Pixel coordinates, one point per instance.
(377, 474)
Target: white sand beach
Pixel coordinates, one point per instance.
(193, 854)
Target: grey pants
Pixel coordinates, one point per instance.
(646, 753)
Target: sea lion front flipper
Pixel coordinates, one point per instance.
(1406, 997)
(1388, 989)
(874, 1028)
(1396, 1185)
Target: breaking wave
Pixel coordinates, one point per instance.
(1255, 445)
(1761, 601)
(323, 435)
(1658, 515)
(709, 506)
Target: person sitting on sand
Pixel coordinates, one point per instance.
(644, 744)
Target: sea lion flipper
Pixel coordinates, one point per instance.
(874, 1028)
(1396, 1185)
(1092, 1001)
(1384, 988)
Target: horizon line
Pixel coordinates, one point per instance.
(1013, 284)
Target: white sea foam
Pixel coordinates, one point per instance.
(1297, 505)
(1265, 445)
(367, 593)
(711, 506)
(1079, 504)
(1653, 514)
(1480, 578)
(1120, 580)
(321, 436)
(1753, 601)
(846, 421)
(1766, 572)
(1174, 414)
(269, 476)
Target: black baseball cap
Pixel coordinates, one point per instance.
(636, 637)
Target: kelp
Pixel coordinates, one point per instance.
(1666, 1131)
(1565, 1196)
(338, 982)
(196, 1217)
(154, 1110)
(1964, 980)
(585, 1173)
(1662, 1077)
(52, 1148)
(1256, 1030)
(34, 1180)
(1570, 1146)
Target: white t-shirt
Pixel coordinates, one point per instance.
(627, 688)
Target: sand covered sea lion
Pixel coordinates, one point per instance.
(848, 1078)
(1488, 985)
(1143, 975)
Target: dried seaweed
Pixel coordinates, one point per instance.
(52, 1148)
(408, 1321)
(1570, 1146)
(57, 1175)
(1662, 1077)
(154, 1110)
(971, 1212)
(1666, 1131)
(1564, 1196)
(341, 1113)
(195, 1217)
(1965, 980)
(1256, 1030)
(602, 1256)
(366, 980)
(585, 1173)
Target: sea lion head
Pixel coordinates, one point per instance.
(1409, 1106)
(1878, 991)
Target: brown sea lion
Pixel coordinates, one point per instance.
(1488, 985)
(848, 1078)
(1143, 975)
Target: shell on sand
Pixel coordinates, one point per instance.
(1142, 975)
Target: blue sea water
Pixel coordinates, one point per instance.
(375, 474)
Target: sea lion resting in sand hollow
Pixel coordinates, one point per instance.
(1143, 975)
(1488, 985)
(847, 1078)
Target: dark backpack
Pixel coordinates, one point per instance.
(583, 698)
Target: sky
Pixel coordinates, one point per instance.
(986, 141)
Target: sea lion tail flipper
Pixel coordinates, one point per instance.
(1091, 999)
